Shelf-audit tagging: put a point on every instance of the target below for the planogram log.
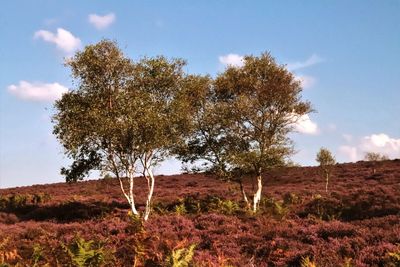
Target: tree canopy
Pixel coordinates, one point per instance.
(122, 117)
(241, 124)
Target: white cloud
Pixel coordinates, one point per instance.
(234, 60)
(349, 152)
(101, 22)
(306, 81)
(314, 59)
(347, 137)
(63, 39)
(378, 143)
(305, 125)
(37, 91)
(332, 127)
(381, 143)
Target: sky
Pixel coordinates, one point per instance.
(345, 53)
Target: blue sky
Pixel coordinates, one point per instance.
(347, 54)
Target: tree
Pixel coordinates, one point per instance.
(373, 158)
(326, 160)
(122, 117)
(206, 134)
(242, 124)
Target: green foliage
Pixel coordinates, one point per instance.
(181, 257)
(193, 205)
(85, 253)
(180, 209)
(324, 208)
(347, 262)
(121, 114)
(120, 111)
(40, 198)
(307, 262)
(276, 208)
(291, 198)
(241, 120)
(37, 256)
(228, 207)
(135, 223)
(394, 258)
(18, 201)
(325, 158)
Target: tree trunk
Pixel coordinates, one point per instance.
(257, 195)
(244, 194)
(150, 180)
(327, 181)
(129, 195)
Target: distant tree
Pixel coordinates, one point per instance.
(121, 118)
(243, 118)
(326, 161)
(374, 157)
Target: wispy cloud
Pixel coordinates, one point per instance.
(37, 91)
(233, 60)
(63, 39)
(313, 60)
(306, 80)
(102, 22)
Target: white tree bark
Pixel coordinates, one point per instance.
(257, 195)
(244, 194)
(132, 201)
(129, 196)
(150, 183)
(326, 181)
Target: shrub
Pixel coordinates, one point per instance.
(85, 253)
(228, 207)
(135, 223)
(323, 208)
(276, 208)
(291, 198)
(40, 198)
(191, 204)
(394, 258)
(181, 257)
(37, 256)
(307, 262)
(17, 201)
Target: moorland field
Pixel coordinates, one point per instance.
(356, 223)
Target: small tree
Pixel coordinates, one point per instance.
(373, 158)
(121, 118)
(326, 161)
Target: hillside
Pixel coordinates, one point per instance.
(357, 222)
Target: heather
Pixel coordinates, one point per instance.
(202, 220)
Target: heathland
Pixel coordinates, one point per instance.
(201, 221)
